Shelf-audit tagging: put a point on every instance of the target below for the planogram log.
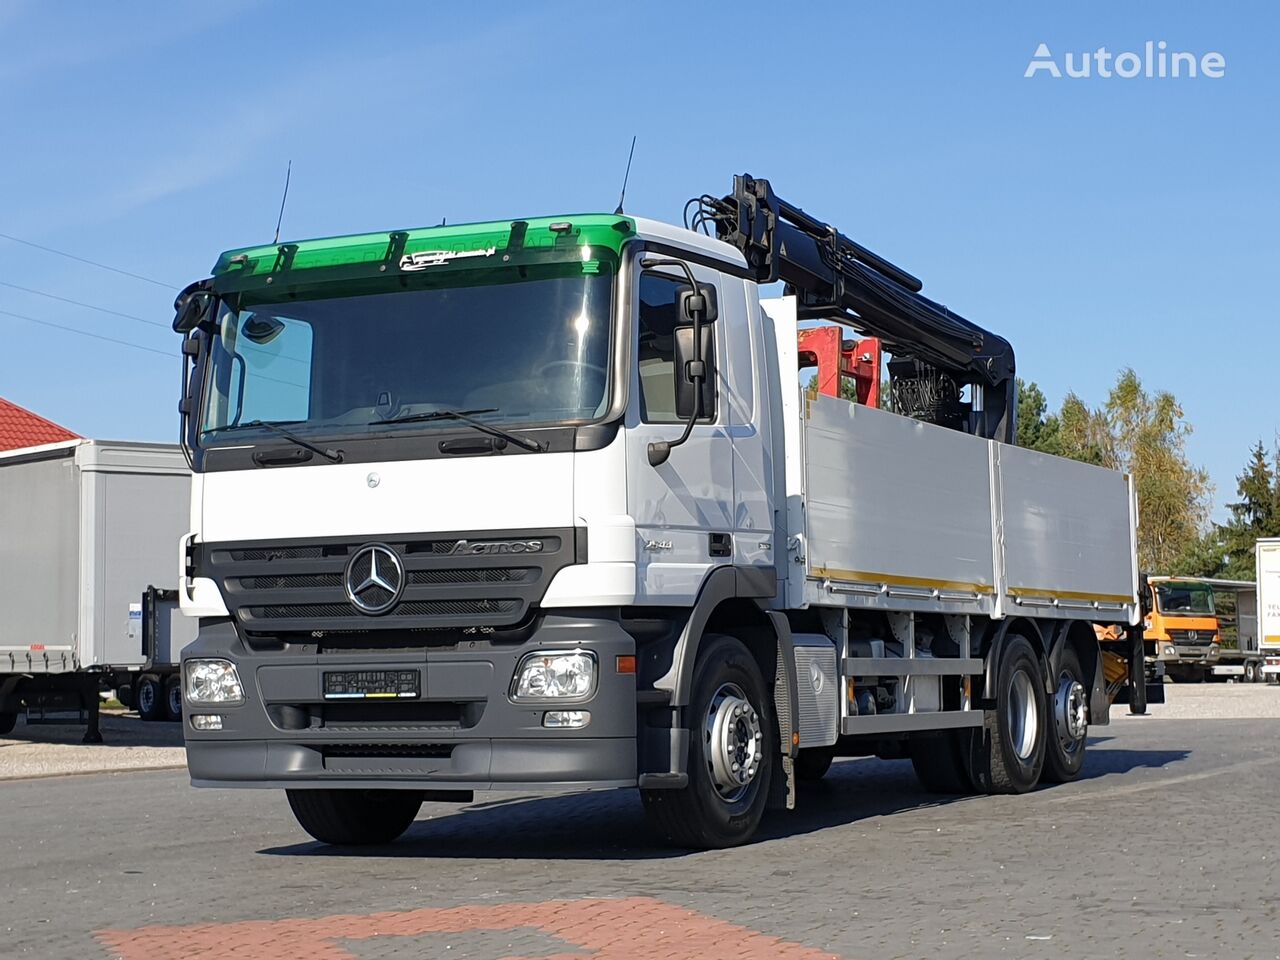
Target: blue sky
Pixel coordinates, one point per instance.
(1095, 223)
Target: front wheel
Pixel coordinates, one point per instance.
(1069, 727)
(8, 721)
(354, 817)
(1007, 753)
(732, 746)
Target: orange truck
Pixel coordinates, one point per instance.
(1204, 629)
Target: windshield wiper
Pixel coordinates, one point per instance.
(465, 416)
(334, 456)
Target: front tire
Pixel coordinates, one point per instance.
(732, 749)
(8, 721)
(1008, 752)
(354, 817)
(1069, 724)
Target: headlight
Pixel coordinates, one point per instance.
(568, 675)
(212, 681)
(1169, 651)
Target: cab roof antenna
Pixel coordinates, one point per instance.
(622, 196)
(280, 219)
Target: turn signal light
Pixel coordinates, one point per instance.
(626, 663)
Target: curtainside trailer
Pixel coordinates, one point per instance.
(85, 527)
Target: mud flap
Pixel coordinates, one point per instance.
(782, 790)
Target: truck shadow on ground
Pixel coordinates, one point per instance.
(611, 825)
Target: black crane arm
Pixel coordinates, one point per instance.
(936, 351)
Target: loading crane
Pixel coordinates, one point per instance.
(936, 352)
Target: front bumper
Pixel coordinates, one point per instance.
(1183, 653)
(463, 732)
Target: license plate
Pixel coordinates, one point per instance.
(372, 684)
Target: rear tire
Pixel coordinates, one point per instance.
(354, 817)
(939, 761)
(733, 744)
(7, 722)
(124, 694)
(173, 699)
(1250, 672)
(812, 763)
(1007, 754)
(1068, 722)
(150, 698)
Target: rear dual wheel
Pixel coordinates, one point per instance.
(1065, 740)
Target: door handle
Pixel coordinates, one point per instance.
(721, 544)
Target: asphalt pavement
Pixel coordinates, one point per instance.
(1162, 850)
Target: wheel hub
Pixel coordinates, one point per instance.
(1070, 708)
(1023, 715)
(734, 741)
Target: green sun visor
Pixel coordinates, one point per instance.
(592, 241)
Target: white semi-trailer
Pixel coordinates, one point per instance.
(86, 526)
(542, 504)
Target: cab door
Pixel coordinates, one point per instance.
(683, 508)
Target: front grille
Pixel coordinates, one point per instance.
(450, 581)
(307, 581)
(1202, 638)
(428, 608)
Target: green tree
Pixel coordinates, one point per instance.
(1037, 428)
(1147, 438)
(1084, 434)
(1227, 549)
(1142, 434)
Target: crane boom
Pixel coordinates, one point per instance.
(936, 352)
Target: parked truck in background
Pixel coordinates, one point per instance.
(1203, 628)
(541, 504)
(85, 527)
(1268, 567)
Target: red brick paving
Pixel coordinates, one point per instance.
(605, 930)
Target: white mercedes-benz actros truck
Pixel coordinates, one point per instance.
(547, 504)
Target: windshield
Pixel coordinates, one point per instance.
(528, 352)
(1185, 599)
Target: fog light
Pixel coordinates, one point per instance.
(212, 681)
(555, 675)
(573, 719)
(206, 721)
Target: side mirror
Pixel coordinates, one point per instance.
(191, 309)
(684, 372)
(702, 301)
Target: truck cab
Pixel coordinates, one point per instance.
(1183, 626)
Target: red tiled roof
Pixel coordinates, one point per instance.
(20, 427)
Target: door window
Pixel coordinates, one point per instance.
(659, 318)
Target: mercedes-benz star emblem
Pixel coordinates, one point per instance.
(374, 579)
